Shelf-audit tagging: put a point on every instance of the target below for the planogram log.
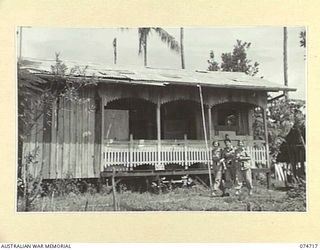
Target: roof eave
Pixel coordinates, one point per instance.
(165, 83)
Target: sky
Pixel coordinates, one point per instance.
(95, 46)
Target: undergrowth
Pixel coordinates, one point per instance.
(196, 198)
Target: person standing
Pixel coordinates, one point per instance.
(229, 173)
(218, 167)
(242, 169)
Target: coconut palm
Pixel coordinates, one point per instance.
(164, 36)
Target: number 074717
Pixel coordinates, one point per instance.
(308, 245)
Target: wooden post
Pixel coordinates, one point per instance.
(214, 117)
(86, 205)
(114, 191)
(250, 121)
(185, 152)
(159, 184)
(285, 61)
(102, 130)
(266, 135)
(147, 184)
(205, 135)
(131, 152)
(268, 179)
(209, 123)
(159, 129)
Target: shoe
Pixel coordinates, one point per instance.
(250, 192)
(237, 192)
(214, 194)
(225, 195)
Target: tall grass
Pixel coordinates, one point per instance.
(179, 199)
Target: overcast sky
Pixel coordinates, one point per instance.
(95, 45)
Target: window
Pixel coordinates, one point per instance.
(227, 117)
(233, 117)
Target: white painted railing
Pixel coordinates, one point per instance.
(130, 156)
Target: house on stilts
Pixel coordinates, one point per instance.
(146, 122)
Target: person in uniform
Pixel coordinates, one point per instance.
(228, 155)
(242, 169)
(218, 167)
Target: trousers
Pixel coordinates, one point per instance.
(243, 176)
(224, 179)
(218, 182)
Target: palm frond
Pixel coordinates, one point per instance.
(143, 33)
(168, 39)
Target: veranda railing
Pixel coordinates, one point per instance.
(185, 153)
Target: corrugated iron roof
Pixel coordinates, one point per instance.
(154, 76)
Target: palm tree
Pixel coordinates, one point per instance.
(164, 36)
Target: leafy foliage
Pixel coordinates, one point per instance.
(168, 39)
(35, 98)
(236, 61)
(35, 94)
(282, 116)
(31, 99)
(303, 39)
(213, 65)
(165, 37)
(163, 34)
(69, 83)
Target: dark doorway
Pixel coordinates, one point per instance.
(133, 116)
(179, 118)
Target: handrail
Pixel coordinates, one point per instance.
(131, 155)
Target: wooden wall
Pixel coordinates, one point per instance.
(69, 146)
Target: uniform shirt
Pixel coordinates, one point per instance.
(216, 154)
(229, 154)
(242, 159)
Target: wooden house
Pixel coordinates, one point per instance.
(145, 121)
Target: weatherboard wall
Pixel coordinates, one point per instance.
(69, 145)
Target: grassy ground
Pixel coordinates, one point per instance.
(196, 198)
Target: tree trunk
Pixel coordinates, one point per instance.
(182, 50)
(115, 50)
(285, 61)
(145, 50)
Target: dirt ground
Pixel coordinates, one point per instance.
(195, 198)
